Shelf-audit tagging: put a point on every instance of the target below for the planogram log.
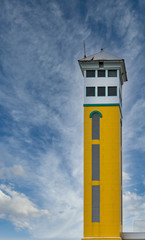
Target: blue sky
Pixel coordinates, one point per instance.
(41, 111)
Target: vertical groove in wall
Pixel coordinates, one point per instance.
(96, 203)
(95, 162)
(95, 126)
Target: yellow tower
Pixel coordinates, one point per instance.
(104, 75)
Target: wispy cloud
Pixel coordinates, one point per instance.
(41, 97)
(134, 206)
(126, 176)
(11, 172)
(134, 126)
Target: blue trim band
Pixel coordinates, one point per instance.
(111, 104)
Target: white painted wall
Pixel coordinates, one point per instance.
(103, 82)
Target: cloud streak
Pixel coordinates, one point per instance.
(41, 98)
(10, 172)
(134, 211)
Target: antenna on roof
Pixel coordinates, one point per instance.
(84, 49)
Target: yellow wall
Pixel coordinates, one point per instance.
(110, 173)
(117, 238)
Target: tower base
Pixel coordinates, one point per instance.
(101, 238)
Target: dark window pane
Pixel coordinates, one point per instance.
(101, 73)
(90, 91)
(90, 73)
(95, 126)
(101, 64)
(101, 91)
(112, 73)
(112, 91)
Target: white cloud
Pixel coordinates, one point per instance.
(11, 172)
(62, 190)
(134, 209)
(126, 176)
(17, 208)
(43, 88)
(139, 226)
(134, 125)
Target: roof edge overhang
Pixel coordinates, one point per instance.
(100, 60)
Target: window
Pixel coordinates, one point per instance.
(112, 73)
(101, 73)
(101, 64)
(101, 91)
(96, 203)
(90, 73)
(112, 91)
(90, 91)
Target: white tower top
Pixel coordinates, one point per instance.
(104, 75)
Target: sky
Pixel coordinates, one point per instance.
(41, 111)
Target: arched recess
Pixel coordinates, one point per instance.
(91, 114)
(95, 115)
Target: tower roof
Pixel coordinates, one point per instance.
(105, 57)
(102, 55)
